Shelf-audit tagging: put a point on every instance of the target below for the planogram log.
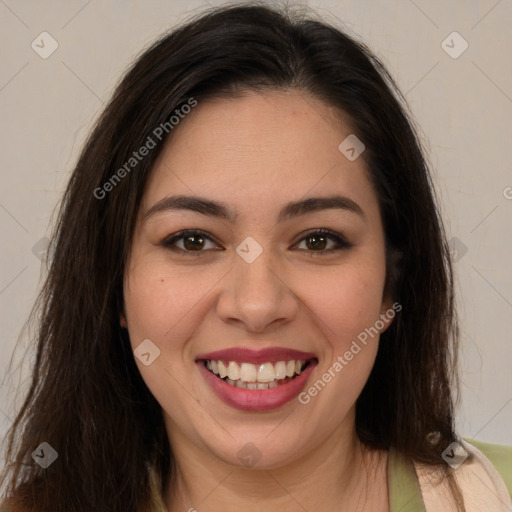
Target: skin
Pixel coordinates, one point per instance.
(255, 153)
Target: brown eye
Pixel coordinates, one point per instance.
(317, 241)
(192, 242)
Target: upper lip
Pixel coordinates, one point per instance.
(248, 355)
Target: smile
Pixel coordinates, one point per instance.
(256, 380)
(256, 376)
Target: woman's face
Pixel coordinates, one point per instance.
(256, 280)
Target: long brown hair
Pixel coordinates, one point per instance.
(87, 398)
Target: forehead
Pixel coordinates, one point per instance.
(258, 149)
(273, 125)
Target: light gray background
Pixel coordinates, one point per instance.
(463, 106)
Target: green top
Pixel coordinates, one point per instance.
(404, 489)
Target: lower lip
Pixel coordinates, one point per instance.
(257, 399)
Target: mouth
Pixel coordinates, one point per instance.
(257, 380)
(250, 376)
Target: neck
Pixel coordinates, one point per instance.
(344, 472)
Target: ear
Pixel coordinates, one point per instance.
(388, 311)
(122, 321)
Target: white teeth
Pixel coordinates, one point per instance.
(248, 373)
(250, 376)
(233, 371)
(280, 369)
(223, 371)
(252, 385)
(266, 373)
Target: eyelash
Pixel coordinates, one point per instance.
(341, 242)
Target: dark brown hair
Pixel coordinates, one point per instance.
(87, 398)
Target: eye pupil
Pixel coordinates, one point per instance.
(318, 240)
(193, 246)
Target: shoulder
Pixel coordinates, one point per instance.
(500, 456)
(484, 477)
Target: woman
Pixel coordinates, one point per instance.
(250, 300)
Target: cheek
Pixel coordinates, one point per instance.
(347, 300)
(162, 305)
(348, 306)
(158, 298)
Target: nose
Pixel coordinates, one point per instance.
(257, 295)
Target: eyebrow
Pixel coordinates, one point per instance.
(223, 211)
